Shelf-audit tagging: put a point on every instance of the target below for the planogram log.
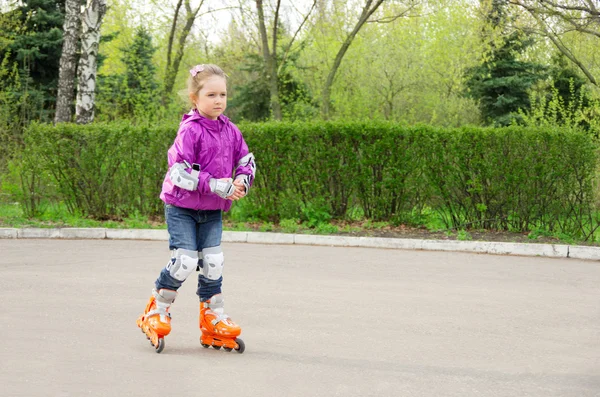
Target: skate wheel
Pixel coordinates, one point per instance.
(217, 347)
(241, 345)
(204, 345)
(161, 345)
(227, 349)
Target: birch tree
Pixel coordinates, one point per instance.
(91, 19)
(68, 63)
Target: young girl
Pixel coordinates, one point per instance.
(209, 167)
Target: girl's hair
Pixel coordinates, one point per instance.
(199, 74)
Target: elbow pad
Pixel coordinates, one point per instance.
(183, 179)
(248, 161)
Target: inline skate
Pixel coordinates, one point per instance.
(218, 330)
(156, 320)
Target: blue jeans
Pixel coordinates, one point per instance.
(192, 230)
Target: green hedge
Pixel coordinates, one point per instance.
(510, 178)
(103, 170)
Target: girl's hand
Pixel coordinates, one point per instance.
(240, 191)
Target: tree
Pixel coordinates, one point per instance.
(180, 34)
(558, 18)
(568, 83)
(273, 63)
(68, 63)
(501, 83)
(11, 120)
(565, 101)
(252, 99)
(140, 76)
(133, 93)
(410, 70)
(35, 47)
(367, 11)
(270, 55)
(173, 64)
(86, 72)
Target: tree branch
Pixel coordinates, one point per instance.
(394, 18)
(289, 46)
(590, 10)
(366, 13)
(275, 26)
(559, 45)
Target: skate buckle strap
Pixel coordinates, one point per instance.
(158, 311)
(220, 317)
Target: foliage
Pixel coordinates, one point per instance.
(507, 179)
(504, 179)
(569, 84)
(410, 69)
(11, 106)
(103, 171)
(402, 71)
(251, 101)
(501, 83)
(35, 47)
(566, 102)
(14, 102)
(134, 94)
(578, 110)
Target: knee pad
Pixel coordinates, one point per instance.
(212, 262)
(182, 263)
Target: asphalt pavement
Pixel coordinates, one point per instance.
(316, 321)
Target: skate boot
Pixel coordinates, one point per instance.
(156, 320)
(218, 330)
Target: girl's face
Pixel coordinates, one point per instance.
(211, 100)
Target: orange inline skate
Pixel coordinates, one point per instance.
(218, 330)
(156, 320)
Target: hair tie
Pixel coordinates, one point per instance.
(196, 69)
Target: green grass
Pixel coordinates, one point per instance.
(57, 216)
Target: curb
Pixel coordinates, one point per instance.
(481, 247)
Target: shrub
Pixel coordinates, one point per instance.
(513, 178)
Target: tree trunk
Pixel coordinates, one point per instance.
(91, 19)
(169, 75)
(270, 58)
(68, 63)
(173, 68)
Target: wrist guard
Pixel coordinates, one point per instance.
(222, 188)
(245, 179)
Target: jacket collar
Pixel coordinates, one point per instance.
(194, 115)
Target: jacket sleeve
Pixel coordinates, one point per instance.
(183, 150)
(245, 163)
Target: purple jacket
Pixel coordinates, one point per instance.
(218, 146)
